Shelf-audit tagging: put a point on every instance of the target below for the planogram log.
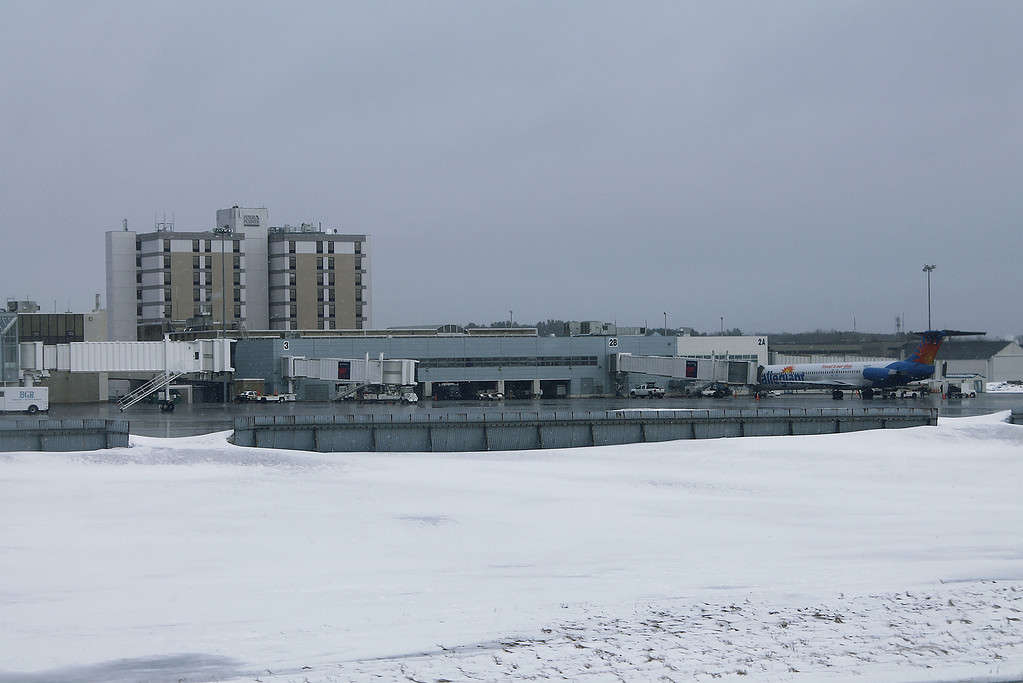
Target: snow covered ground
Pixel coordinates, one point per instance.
(885, 555)
(1004, 388)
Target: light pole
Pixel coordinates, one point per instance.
(665, 323)
(928, 269)
(223, 232)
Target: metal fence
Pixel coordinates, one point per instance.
(63, 435)
(500, 430)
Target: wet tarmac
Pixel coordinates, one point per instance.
(203, 418)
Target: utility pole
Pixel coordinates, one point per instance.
(928, 269)
(223, 232)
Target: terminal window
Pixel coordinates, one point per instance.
(508, 361)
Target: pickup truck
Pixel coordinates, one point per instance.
(648, 390)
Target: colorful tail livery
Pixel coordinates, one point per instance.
(865, 376)
(932, 339)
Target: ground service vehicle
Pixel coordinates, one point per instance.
(263, 398)
(276, 398)
(648, 390)
(24, 399)
(716, 391)
(488, 395)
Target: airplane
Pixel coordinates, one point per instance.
(868, 377)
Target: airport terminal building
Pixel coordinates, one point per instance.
(516, 362)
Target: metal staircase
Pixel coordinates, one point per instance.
(349, 390)
(156, 384)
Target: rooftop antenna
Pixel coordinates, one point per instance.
(163, 225)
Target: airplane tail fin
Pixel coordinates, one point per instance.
(927, 350)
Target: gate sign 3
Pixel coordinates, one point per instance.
(612, 342)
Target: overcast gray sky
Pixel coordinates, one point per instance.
(787, 165)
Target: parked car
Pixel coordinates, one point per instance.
(488, 395)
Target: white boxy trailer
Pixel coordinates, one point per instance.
(24, 399)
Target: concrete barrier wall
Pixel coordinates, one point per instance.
(62, 435)
(507, 431)
(1017, 416)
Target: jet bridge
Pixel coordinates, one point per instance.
(170, 359)
(176, 357)
(704, 370)
(353, 373)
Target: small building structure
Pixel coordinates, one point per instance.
(51, 329)
(995, 360)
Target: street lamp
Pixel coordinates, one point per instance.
(223, 232)
(928, 269)
(665, 323)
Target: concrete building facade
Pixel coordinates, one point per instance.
(317, 280)
(65, 328)
(124, 291)
(184, 275)
(252, 225)
(241, 275)
(752, 349)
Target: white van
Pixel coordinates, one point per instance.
(24, 399)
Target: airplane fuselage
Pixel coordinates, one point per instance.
(845, 375)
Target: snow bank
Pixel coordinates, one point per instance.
(1005, 387)
(872, 553)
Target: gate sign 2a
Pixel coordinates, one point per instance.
(612, 342)
(344, 369)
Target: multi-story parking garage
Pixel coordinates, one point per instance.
(516, 362)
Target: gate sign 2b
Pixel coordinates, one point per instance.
(344, 369)
(612, 342)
